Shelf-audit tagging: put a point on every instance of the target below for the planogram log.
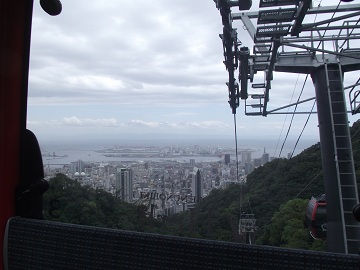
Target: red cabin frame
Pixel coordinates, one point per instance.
(15, 33)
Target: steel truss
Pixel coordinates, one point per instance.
(285, 41)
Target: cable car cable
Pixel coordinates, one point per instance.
(308, 185)
(302, 131)
(277, 144)
(307, 75)
(295, 196)
(292, 119)
(237, 164)
(236, 150)
(297, 100)
(352, 30)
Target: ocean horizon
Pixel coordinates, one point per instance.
(57, 152)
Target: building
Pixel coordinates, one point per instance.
(77, 166)
(192, 162)
(265, 158)
(257, 162)
(227, 159)
(197, 186)
(124, 184)
(249, 167)
(245, 157)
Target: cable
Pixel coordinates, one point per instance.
(352, 30)
(355, 133)
(292, 118)
(296, 104)
(299, 99)
(282, 128)
(236, 150)
(237, 165)
(306, 124)
(307, 120)
(307, 184)
(267, 223)
(337, 7)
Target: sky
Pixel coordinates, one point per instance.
(148, 70)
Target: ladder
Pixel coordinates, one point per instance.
(344, 162)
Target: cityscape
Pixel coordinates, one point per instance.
(166, 179)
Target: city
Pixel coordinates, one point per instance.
(163, 181)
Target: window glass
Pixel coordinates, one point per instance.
(131, 111)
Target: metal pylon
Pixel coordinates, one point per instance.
(247, 226)
(285, 42)
(338, 165)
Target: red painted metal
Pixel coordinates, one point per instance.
(15, 28)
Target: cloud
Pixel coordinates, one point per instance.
(136, 46)
(75, 121)
(201, 125)
(95, 82)
(140, 123)
(141, 66)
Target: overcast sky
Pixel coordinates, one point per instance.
(110, 69)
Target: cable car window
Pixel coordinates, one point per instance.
(124, 100)
(100, 107)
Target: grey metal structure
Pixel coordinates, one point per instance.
(324, 49)
(247, 226)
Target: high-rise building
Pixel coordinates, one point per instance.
(197, 186)
(124, 184)
(192, 162)
(257, 162)
(227, 159)
(245, 157)
(77, 166)
(80, 166)
(249, 167)
(265, 158)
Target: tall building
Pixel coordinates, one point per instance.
(245, 157)
(80, 166)
(197, 186)
(265, 158)
(249, 167)
(227, 159)
(77, 166)
(124, 184)
(257, 162)
(192, 162)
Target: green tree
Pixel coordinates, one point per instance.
(269, 188)
(67, 201)
(287, 228)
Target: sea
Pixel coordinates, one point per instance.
(59, 153)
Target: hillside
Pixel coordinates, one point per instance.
(267, 188)
(276, 192)
(67, 201)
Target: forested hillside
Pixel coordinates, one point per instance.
(277, 193)
(67, 201)
(267, 191)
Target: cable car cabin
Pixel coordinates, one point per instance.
(316, 216)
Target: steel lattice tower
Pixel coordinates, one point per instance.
(284, 42)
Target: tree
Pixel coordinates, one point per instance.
(287, 228)
(67, 201)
